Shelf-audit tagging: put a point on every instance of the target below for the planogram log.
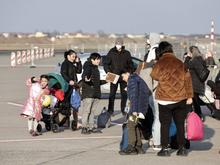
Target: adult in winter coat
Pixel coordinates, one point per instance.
(91, 93)
(173, 93)
(144, 69)
(70, 67)
(118, 61)
(138, 94)
(195, 64)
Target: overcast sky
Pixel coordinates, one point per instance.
(111, 16)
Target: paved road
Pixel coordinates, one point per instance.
(68, 147)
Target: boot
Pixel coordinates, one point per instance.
(85, 131)
(140, 150)
(130, 150)
(182, 152)
(75, 121)
(163, 152)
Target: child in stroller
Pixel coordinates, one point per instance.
(57, 113)
(54, 114)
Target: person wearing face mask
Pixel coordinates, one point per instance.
(118, 61)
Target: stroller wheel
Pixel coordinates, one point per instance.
(39, 128)
(55, 128)
(48, 127)
(74, 125)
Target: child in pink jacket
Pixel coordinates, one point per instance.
(33, 106)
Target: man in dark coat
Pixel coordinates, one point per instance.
(118, 61)
(138, 95)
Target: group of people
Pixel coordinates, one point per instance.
(162, 82)
(174, 88)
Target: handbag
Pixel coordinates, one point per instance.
(75, 100)
(194, 127)
(203, 74)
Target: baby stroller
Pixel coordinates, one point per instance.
(57, 113)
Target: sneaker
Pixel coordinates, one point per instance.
(85, 131)
(140, 150)
(95, 130)
(182, 152)
(156, 147)
(163, 152)
(130, 150)
(35, 133)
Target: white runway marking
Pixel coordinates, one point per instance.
(80, 117)
(15, 104)
(54, 139)
(114, 123)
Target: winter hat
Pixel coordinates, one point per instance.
(119, 41)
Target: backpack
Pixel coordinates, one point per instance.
(75, 100)
(104, 119)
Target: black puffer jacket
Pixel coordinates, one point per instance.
(195, 66)
(69, 70)
(118, 62)
(91, 89)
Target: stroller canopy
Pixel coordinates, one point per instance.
(56, 81)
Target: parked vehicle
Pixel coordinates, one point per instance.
(104, 88)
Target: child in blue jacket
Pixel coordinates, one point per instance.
(138, 94)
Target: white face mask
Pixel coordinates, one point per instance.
(118, 47)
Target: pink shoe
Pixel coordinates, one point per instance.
(35, 134)
(31, 131)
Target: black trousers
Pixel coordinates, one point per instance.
(178, 112)
(197, 103)
(113, 89)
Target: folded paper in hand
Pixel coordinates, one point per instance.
(111, 77)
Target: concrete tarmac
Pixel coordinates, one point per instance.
(17, 147)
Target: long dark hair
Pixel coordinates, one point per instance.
(68, 52)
